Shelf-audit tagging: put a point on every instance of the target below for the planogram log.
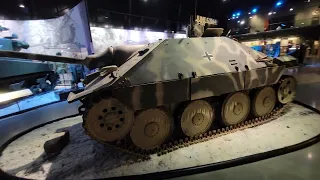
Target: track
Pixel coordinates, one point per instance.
(127, 146)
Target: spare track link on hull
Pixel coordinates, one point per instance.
(127, 146)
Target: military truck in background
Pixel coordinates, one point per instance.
(17, 74)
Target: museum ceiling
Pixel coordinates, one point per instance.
(163, 9)
(34, 9)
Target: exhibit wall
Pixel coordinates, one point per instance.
(65, 34)
(105, 37)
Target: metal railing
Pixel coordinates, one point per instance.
(298, 23)
(130, 21)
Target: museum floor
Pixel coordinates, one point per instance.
(302, 164)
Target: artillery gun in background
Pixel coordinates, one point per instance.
(176, 88)
(17, 74)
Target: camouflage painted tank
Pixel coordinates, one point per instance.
(176, 87)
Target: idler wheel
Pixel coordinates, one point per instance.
(197, 118)
(235, 108)
(287, 90)
(151, 128)
(109, 120)
(264, 101)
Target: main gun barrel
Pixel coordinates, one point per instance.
(41, 57)
(111, 56)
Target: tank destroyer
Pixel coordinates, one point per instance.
(176, 88)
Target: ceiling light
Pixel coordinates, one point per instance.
(302, 23)
(242, 22)
(279, 3)
(229, 19)
(21, 5)
(254, 10)
(106, 17)
(270, 13)
(250, 17)
(291, 9)
(274, 13)
(249, 12)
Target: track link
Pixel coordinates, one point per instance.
(128, 147)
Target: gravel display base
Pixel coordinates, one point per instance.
(84, 158)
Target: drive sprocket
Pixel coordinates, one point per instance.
(109, 120)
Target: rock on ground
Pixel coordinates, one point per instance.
(55, 145)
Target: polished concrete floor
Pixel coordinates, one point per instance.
(302, 164)
(308, 89)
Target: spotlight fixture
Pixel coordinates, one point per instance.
(291, 9)
(21, 6)
(254, 10)
(279, 3)
(270, 13)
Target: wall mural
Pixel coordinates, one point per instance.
(105, 37)
(69, 34)
(65, 34)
